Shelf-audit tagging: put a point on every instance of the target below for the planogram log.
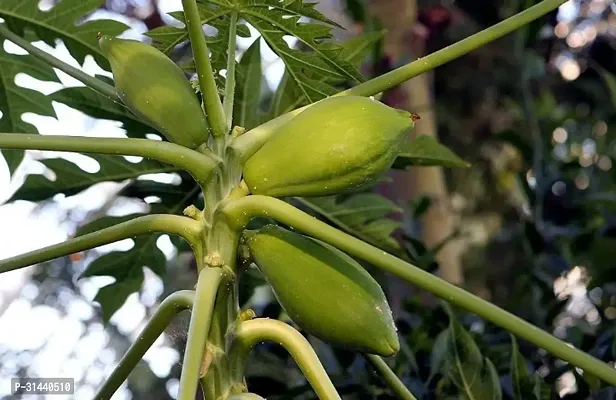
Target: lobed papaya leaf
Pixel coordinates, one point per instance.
(288, 95)
(64, 21)
(16, 100)
(70, 179)
(167, 38)
(427, 151)
(248, 87)
(363, 215)
(96, 106)
(127, 266)
(473, 375)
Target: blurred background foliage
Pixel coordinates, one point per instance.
(535, 115)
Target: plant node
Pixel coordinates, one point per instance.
(213, 259)
(193, 212)
(237, 131)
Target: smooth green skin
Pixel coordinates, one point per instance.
(337, 145)
(325, 291)
(155, 89)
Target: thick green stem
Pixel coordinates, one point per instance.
(207, 83)
(221, 247)
(241, 211)
(249, 333)
(230, 77)
(168, 309)
(388, 376)
(200, 166)
(174, 224)
(247, 144)
(200, 322)
(90, 81)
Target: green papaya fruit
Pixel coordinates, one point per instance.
(155, 89)
(337, 145)
(324, 291)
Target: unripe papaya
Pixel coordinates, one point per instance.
(324, 291)
(155, 89)
(337, 145)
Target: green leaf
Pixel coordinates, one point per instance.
(427, 151)
(610, 83)
(437, 356)
(520, 380)
(356, 49)
(248, 87)
(127, 266)
(16, 100)
(97, 106)
(63, 21)
(167, 38)
(276, 19)
(473, 375)
(114, 295)
(525, 386)
(70, 179)
(288, 95)
(541, 390)
(362, 215)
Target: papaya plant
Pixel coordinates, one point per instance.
(319, 142)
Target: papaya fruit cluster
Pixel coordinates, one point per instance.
(338, 145)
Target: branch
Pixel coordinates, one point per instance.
(207, 84)
(168, 309)
(90, 81)
(247, 144)
(200, 166)
(241, 211)
(174, 224)
(249, 333)
(389, 377)
(200, 322)
(456, 50)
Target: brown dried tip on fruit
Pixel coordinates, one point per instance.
(415, 117)
(99, 35)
